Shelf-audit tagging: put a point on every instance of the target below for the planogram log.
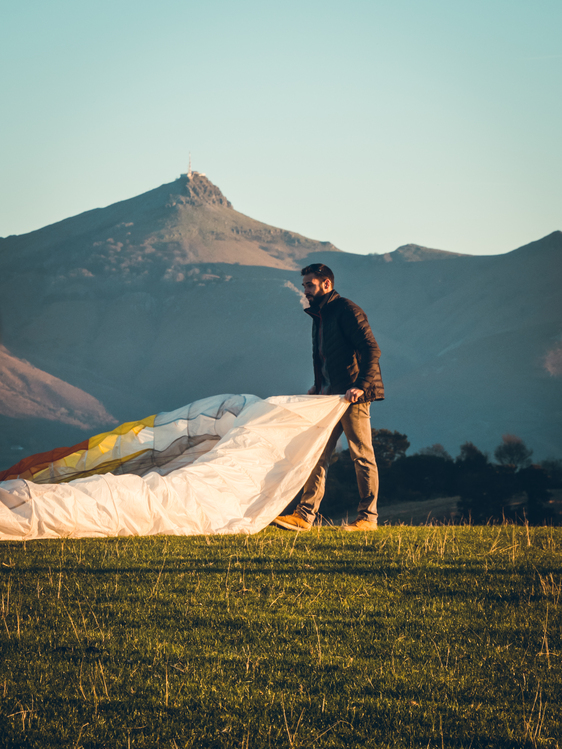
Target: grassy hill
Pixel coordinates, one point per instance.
(407, 637)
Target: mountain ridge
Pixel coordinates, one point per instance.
(28, 392)
(415, 253)
(179, 223)
(145, 321)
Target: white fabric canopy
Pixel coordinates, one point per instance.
(237, 484)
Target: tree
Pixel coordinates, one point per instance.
(471, 457)
(436, 450)
(513, 452)
(389, 446)
(421, 476)
(534, 481)
(483, 488)
(553, 468)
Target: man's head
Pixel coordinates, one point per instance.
(317, 280)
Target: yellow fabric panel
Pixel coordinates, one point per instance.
(117, 445)
(59, 474)
(106, 467)
(58, 468)
(100, 456)
(134, 426)
(70, 461)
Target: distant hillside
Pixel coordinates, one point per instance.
(471, 345)
(415, 253)
(31, 400)
(131, 305)
(156, 234)
(27, 392)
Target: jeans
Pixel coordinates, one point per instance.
(356, 425)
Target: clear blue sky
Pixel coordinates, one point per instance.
(369, 123)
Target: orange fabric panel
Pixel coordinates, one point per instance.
(29, 467)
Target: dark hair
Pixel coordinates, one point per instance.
(319, 270)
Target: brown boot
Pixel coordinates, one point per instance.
(361, 525)
(293, 522)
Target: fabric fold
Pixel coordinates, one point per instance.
(226, 464)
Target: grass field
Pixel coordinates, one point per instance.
(444, 636)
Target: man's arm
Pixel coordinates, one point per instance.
(357, 329)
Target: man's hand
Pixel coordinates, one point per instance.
(353, 395)
(312, 390)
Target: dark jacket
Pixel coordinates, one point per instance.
(343, 342)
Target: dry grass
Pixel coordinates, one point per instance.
(408, 637)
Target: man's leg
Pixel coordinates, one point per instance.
(356, 424)
(313, 490)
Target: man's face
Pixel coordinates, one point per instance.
(314, 288)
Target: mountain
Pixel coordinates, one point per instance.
(153, 319)
(415, 253)
(158, 234)
(44, 403)
(27, 392)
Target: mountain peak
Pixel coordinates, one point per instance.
(415, 253)
(196, 189)
(551, 243)
(154, 236)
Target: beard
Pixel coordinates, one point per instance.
(316, 300)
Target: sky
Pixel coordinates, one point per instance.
(370, 124)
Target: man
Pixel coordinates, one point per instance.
(346, 360)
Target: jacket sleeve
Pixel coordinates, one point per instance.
(357, 330)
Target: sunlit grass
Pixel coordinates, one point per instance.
(407, 637)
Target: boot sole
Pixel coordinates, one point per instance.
(289, 527)
(359, 530)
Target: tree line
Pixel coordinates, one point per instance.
(509, 487)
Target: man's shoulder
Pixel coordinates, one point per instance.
(342, 304)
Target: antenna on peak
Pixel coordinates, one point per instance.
(190, 173)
